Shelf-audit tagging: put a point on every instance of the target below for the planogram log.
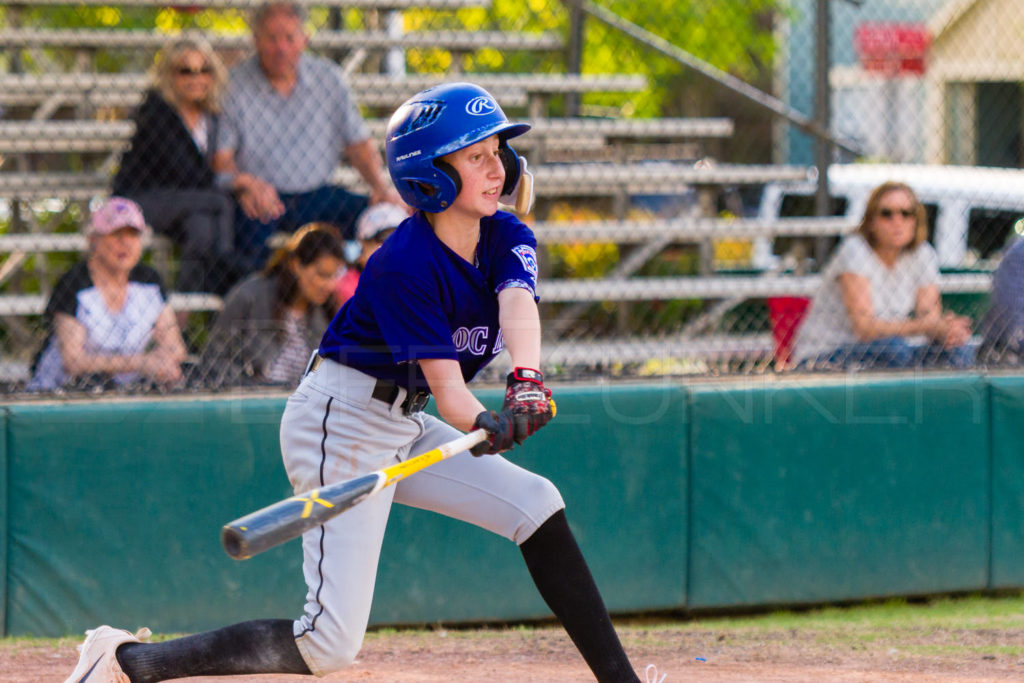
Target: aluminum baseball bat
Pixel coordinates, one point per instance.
(291, 517)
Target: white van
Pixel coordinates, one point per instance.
(973, 213)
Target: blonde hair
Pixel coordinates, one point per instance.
(166, 63)
(871, 214)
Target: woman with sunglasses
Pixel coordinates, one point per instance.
(167, 168)
(878, 304)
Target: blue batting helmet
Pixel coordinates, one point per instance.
(439, 121)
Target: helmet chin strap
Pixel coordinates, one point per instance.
(520, 197)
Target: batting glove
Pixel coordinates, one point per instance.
(500, 432)
(528, 400)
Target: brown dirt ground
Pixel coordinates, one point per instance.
(686, 653)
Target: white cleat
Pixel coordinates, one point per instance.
(651, 674)
(98, 663)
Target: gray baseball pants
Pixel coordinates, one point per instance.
(333, 430)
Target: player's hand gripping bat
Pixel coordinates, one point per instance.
(289, 518)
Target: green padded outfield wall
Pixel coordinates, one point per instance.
(703, 496)
(618, 457)
(115, 511)
(3, 521)
(1007, 482)
(853, 489)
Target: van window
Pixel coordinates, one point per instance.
(802, 205)
(932, 211)
(988, 230)
(795, 205)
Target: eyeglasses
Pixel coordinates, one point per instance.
(205, 70)
(889, 213)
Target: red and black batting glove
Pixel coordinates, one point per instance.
(500, 432)
(528, 400)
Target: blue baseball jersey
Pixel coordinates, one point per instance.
(418, 299)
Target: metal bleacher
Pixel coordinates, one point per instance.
(68, 128)
(133, 39)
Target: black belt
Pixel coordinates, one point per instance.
(387, 391)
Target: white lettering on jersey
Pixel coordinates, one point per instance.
(528, 257)
(460, 338)
(499, 343)
(472, 340)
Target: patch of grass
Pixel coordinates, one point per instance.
(966, 627)
(971, 612)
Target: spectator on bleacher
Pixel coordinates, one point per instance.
(273, 320)
(289, 116)
(373, 226)
(168, 168)
(110, 323)
(878, 304)
(1002, 329)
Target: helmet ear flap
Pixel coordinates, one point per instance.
(448, 194)
(510, 160)
(432, 191)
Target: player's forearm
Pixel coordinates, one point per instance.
(520, 326)
(458, 407)
(456, 404)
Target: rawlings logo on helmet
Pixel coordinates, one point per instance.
(480, 106)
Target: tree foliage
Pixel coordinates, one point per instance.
(735, 36)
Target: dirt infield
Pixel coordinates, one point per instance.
(685, 651)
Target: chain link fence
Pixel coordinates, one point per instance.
(679, 150)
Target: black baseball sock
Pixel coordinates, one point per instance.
(252, 647)
(564, 581)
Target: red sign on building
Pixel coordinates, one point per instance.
(892, 48)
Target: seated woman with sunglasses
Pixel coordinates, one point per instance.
(167, 169)
(878, 304)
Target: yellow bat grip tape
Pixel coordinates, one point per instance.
(404, 469)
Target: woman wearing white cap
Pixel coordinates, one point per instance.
(110, 323)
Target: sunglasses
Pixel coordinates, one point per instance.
(889, 213)
(189, 71)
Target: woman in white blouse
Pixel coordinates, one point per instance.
(110, 323)
(879, 304)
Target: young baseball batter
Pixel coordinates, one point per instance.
(452, 287)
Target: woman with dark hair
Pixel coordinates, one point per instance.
(273, 320)
(167, 169)
(878, 304)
